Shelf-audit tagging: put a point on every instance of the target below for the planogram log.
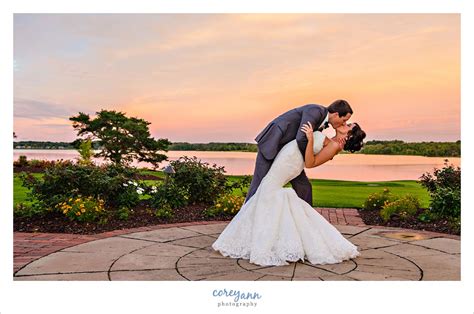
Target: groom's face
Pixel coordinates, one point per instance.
(336, 121)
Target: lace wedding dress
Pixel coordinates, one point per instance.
(275, 225)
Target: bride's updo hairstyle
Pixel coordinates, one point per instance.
(355, 139)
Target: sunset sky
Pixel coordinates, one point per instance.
(223, 77)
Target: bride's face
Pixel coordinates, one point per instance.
(345, 128)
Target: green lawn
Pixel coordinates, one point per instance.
(326, 193)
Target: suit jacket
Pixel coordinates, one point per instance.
(287, 127)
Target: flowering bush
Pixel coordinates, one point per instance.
(377, 200)
(226, 204)
(403, 207)
(63, 181)
(82, 208)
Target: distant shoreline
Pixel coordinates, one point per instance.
(235, 151)
(374, 147)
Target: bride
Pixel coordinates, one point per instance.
(275, 225)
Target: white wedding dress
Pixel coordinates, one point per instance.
(275, 225)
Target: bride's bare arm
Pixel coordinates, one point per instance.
(327, 153)
(309, 154)
(329, 150)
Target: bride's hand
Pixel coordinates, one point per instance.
(342, 142)
(308, 130)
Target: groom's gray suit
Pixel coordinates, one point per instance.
(276, 134)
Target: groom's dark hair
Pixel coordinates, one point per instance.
(340, 106)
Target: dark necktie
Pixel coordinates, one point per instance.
(324, 126)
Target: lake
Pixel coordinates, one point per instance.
(353, 167)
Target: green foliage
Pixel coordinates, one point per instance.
(446, 177)
(455, 223)
(241, 183)
(376, 201)
(430, 149)
(22, 161)
(446, 202)
(64, 181)
(204, 184)
(42, 145)
(168, 194)
(164, 212)
(85, 151)
(123, 213)
(403, 207)
(123, 139)
(426, 216)
(326, 193)
(226, 204)
(125, 192)
(29, 210)
(444, 185)
(221, 147)
(39, 164)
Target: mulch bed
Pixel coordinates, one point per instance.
(55, 222)
(372, 217)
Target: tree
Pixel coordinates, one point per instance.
(85, 150)
(123, 139)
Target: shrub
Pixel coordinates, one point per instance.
(375, 201)
(242, 184)
(444, 186)
(226, 204)
(165, 212)
(123, 213)
(446, 202)
(29, 210)
(124, 194)
(455, 224)
(204, 184)
(39, 163)
(22, 161)
(168, 194)
(64, 181)
(84, 209)
(403, 207)
(446, 177)
(86, 152)
(426, 216)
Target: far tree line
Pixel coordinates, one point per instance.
(394, 147)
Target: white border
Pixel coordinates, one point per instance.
(154, 297)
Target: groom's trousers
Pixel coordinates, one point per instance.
(300, 184)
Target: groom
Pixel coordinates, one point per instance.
(286, 128)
